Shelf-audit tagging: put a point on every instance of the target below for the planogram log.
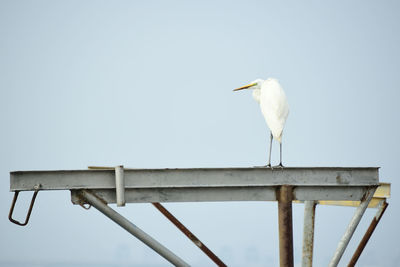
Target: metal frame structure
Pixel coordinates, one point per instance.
(99, 187)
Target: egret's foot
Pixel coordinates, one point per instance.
(268, 166)
(279, 166)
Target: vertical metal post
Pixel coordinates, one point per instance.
(120, 185)
(352, 227)
(368, 234)
(308, 233)
(284, 196)
(131, 228)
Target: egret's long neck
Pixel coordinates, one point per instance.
(256, 94)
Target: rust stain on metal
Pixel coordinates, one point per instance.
(308, 239)
(341, 180)
(189, 234)
(28, 215)
(309, 247)
(365, 196)
(284, 195)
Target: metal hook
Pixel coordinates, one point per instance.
(29, 211)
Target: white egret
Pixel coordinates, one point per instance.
(274, 106)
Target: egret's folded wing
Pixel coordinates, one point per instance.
(274, 106)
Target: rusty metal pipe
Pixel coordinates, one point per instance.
(368, 234)
(352, 227)
(28, 215)
(284, 197)
(189, 234)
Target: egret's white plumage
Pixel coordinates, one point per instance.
(274, 106)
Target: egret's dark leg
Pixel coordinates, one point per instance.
(270, 149)
(280, 148)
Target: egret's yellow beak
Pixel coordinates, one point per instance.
(245, 87)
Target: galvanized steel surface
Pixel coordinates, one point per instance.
(201, 177)
(308, 233)
(207, 184)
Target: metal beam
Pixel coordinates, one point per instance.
(227, 193)
(207, 184)
(381, 194)
(202, 177)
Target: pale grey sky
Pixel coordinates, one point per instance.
(148, 84)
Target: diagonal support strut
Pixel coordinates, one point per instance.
(352, 227)
(100, 205)
(368, 234)
(189, 234)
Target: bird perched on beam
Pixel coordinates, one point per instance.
(274, 106)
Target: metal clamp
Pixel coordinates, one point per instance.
(120, 185)
(29, 211)
(119, 182)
